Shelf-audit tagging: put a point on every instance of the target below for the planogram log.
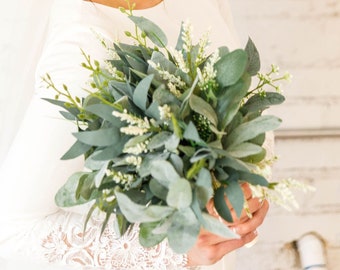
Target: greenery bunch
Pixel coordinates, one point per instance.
(165, 130)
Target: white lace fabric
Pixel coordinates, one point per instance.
(65, 242)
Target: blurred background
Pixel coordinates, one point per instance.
(302, 37)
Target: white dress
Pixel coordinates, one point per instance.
(34, 232)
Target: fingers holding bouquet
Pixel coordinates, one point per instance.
(210, 247)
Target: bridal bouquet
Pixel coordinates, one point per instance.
(164, 130)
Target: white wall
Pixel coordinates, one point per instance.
(303, 37)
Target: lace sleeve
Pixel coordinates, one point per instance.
(62, 241)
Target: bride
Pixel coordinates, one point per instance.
(34, 232)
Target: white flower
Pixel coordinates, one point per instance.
(137, 149)
(165, 112)
(179, 60)
(134, 160)
(187, 35)
(137, 125)
(202, 46)
(124, 179)
(174, 82)
(282, 192)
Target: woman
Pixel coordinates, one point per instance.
(31, 224)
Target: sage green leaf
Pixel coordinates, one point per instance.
(68, 116)
(191, 133)
(235, 195)
(137, 213)
(146, 236)
(256, 158)
(204, 188)
(180, 194)
(215, 226)
(163, 172)
(105, 112)
(163, 96)
(244, 150)
(229, 101)
(172, 143)
(180, 41)
(153, 111)
(73, 110)
(165, 64)
(123, 89)
(159, 190)
(146, 166)
(152, 31)
(202, 107)
(221, 205)
(140, 95)
(136, 62)
(100, 137)
(85, 186)
(253, 128)
(77, 149)
(252, 178)
(159, 140)
(223, 50)
(259, 102)
(65, 196)
(177, 162)
(254, 63)
(184, 230)
(227, 160)
(231, 67)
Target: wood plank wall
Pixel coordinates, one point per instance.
(303, 37)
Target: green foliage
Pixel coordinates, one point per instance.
(161, 135)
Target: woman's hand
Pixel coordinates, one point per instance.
(211, 248)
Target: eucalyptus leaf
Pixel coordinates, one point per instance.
(235, 196)
(140, 95)
(252, 178)
(105, 112)
(146, 236)
(65, 196)
(254, 63)
(202, 107)
(215, 226)
(68, 116)
(244, 150)
(77, 149)
(137, 213)
(229, 101)
(159, 190)
(152, 31)
(73, 110)
(191, 133)
(163, 172)
(259, 102)
(159, 140)
(101, 137)
(184, 230)
(253, 128)
(230, 67)
(221, 205)
(180, 194)
(204, 188)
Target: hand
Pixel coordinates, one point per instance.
(211, 248)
